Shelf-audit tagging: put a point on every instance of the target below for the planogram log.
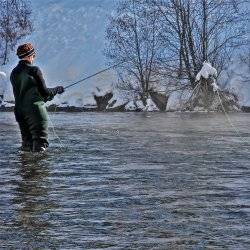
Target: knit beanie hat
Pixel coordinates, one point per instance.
(25, 50)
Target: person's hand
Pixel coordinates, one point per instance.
(60, 89)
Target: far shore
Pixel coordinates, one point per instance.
(73, 109)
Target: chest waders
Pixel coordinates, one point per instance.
(31, 94)
(33, 124)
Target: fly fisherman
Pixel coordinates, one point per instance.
(31, 93)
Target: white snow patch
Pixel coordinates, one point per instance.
(2, 75)
(177, 99)
(3, 82)
(64, 104)
(215, 86)
(139, 104)
(206, 71)
(150, 106)
(237, 79)
(101, 92)
(130, 106)
(119, 100)
(133, 105)
(7, 104)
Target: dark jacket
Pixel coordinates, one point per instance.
(30, 93)
(29, 85)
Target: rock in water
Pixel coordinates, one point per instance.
(159, 99)
(103, 101)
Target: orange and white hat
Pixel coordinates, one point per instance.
(24, 50)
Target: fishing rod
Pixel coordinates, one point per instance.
(97, 73)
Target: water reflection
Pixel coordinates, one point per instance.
(32, 203)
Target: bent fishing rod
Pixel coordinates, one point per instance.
(97, 73)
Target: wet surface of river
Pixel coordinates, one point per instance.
(128, 181)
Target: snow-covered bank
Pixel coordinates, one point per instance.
(3, 83)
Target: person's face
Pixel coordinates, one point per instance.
(32, 58)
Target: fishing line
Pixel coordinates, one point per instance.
(192, 94)
(77, 82)
(55, 134)
(95, 74)
(228, 118)
(54, 131)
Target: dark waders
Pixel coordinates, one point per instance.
(31, 93)
(33, 124)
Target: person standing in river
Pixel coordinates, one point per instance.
(31, 93)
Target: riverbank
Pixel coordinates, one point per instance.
(72, 109)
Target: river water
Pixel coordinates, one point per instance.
(128, 181)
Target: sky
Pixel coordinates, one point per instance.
(69, 39)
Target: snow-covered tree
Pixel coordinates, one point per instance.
(198, 31)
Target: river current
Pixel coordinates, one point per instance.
(128, 181)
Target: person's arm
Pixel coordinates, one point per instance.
(47, 93)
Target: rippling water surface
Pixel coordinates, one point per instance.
(128, 181)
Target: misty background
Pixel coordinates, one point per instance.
(69, 38)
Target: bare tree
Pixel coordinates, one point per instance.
(167, 41)
(133, 38)
(198, 31)
(15, 23)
